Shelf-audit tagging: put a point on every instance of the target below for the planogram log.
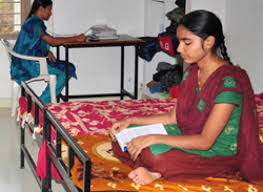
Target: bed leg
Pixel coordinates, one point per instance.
(22, 143)
(46, 185)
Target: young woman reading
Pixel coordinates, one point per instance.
(213, 128)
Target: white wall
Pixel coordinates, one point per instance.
(98, 69)
(136, 17)
(4, 74)
(5, 83)
(217, 7)
(245, 29)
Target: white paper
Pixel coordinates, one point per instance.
(126, 135)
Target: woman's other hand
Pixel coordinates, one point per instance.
(119, 126)
(81, 37)
(51, 57)
(136, 145)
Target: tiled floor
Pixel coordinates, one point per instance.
(12, 178)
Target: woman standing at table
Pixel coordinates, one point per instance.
(33, 40)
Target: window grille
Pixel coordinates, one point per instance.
(12, 15)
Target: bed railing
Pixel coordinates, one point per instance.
(24, 152)
(54, 149)
(73, 149)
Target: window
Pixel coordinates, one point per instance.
(12, 15)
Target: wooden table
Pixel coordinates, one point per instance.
(122, 42)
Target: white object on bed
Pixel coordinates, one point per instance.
(126, 135)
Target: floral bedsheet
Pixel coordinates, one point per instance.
(96, 117)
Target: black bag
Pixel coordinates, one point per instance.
(148, 49)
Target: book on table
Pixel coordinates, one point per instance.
(101, 32)
(97, 37)
(126, 135)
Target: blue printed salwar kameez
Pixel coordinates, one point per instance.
(30, 42)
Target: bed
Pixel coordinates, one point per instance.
(77, 146)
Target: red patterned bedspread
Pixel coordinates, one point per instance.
(96, 117)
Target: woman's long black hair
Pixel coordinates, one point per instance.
(36, 4)
(203, 24)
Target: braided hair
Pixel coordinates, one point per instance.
(36, 4)
(204, 24)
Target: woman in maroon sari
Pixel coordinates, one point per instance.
(213, 130)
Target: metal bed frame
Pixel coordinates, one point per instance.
(53, 149)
